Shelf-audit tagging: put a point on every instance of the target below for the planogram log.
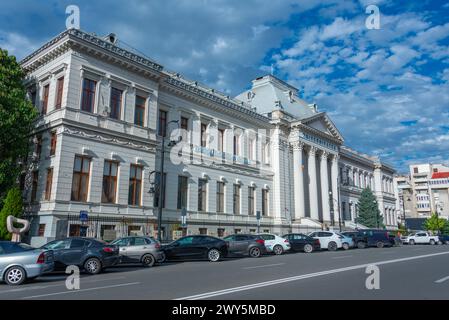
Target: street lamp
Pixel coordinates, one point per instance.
(403, 209)
(331, 198)
(377, 214)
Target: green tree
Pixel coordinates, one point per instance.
(369, 213)
(16, 118)
(12, 206)
(435, 223)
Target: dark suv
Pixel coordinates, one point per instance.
(370, 238)
(245, 244)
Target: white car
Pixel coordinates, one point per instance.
(275, 244)
(422, 238)
(328, 240)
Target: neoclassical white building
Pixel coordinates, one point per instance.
(96, 151)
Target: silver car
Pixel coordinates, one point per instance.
(144, 250)
(19, 262)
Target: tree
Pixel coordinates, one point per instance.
(12, 206)
(435, 223)
(16, 118)
(369, 213)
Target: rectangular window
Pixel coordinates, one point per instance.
(53, 140)
(203, 231)
(236, 145)
(135, 185)
(48, 184)
(236, 199)
(203, 134)
(34, 186)
(157, 184)
(38, 150)
(220, 196)
(33, 97)
(185, 128)
(80, 182)
(139, 111)
(251, 206)
(59, 91)
(202, 195)
(45, 99)
(182, 192)
(162, 128)
(41, 230)
(116, 103)
(251, 149)
(220, 232)
(264, 202)
(221, 134)
(88, 96)
(110, 172)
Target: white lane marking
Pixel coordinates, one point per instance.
(266, 265)
(56, 285)
(301, 277)
(81, 290)
(442, 279)
(341, 257)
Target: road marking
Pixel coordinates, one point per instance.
(302, 277)
(341, 257)
(81, 290)
(267, 265)
(442, 279)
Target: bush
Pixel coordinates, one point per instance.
(12, 206)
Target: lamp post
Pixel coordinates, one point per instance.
(403, 210)
(331, 198)
(161, 177)
(377, 214)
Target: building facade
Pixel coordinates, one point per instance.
(95, 164)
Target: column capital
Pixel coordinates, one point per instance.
(324, 155)
(313, 150)
(335, 158)
(298, 145)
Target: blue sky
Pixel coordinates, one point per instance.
(387, 90)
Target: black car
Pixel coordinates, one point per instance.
(302, 242)
(245, 244)
(370, 238)
(90, 254)
(196, 247)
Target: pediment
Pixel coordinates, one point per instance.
(323, 123)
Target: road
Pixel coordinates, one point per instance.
(408, 272)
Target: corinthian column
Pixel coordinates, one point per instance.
(313, 186)
(298, 177)
(334, 177)
(325, 186)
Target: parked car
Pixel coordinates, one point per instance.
(144, 250)
(422, 238)
(19, 262)
(92, 255)
(329, 240)
(372, 238)
(302, 242)
(347, 242)
(245, 244)
(275, 244)
(196, 247)
(395, 239)
(443, 239)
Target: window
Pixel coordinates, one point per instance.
(48, 184)
(53, 139)
(45, 98)
(264, 202)
(139, 111)
(162, 128)
(116, 103)
(251, 149)
(182, 192)
(220, 196)
(202, 195)
(158, 184)
(80, 181)
(109, 181)
(59, 90)
(236, 199)
(77, 244)
(38, 146)
(221, 134)
(435, 169)
(41, 230)
(34, 186)
(138, 241)
(33, 97)
(58, 244)
(220, 232)
(236, 145)
(203, 231)
(135, 185)
(203, 134)
(415, 170)
(88, 96)
(187, 241)
(185, 128)
(251, 191)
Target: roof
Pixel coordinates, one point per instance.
(439, 175)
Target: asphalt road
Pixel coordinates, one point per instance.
(408, 272)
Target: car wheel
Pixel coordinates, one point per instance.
(15, 276)
(412, 242)
(380, 244)
(148, 260)
(254, 252)
(278, 250)
(440, 243)
(308, 248)
(432, 242)
(213, 255)
(92, 266)
(332, 246)
(345, 246)
(361, 245)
